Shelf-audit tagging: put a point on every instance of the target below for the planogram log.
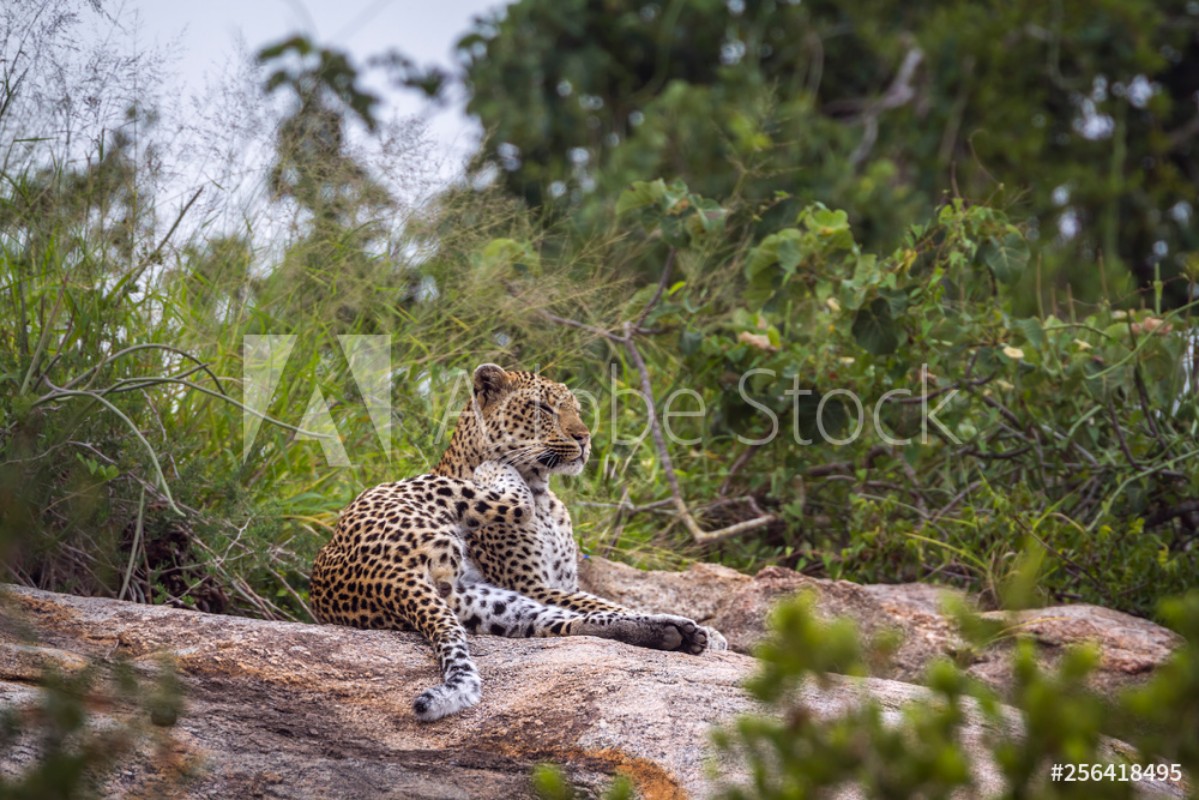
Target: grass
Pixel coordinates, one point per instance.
(123, 469)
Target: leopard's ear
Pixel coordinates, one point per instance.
(491, 381)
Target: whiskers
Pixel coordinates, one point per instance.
(535, 453)
(524, 455)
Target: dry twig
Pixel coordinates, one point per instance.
(630, 330)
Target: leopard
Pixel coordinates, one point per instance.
(482, 545)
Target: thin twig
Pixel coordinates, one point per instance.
(133, 548)
(1111, 410)
(899, 93)
(831, 468)
(910, 474)
(1149, 415)
(697, 533)
(618, 522)
(133, 349)
(1168, 514)
(742, 459)
(580, 325)
(153, 254)
(959, 385)
(666, 270)
(957, 498)
(292, 592)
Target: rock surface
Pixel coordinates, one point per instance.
(284, 710)
(739, 605)
(287, 710)
(1130, 648)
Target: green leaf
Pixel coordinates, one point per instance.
(640, 195)
(1006, 257)
(897, 300)
(674, 231)
(502, 253)
(827, 221)
(789, 253)
(875, 330)
(780, 248)
(690, 342)
(709, 217)
(1034, 334)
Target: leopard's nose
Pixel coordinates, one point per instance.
(581, 437)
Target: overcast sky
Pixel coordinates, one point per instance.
(425, 31)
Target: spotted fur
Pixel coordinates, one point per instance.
(482, 544)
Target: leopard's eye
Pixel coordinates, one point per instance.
(546, 408)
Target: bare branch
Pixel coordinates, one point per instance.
(580, 325)
(697, 533)
(899, 93)
(744, 458)
(657, 298)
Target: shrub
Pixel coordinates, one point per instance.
(794, 753)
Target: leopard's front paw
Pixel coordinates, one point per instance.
(510, 489)
(498, 475)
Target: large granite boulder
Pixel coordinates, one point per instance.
(286, 710)
(739, 606)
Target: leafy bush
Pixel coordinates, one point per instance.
(795, 753)
(73, 751)
(984, 428)
(896, 420)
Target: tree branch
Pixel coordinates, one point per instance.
(697, 533)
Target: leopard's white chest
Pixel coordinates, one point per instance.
(557, 552)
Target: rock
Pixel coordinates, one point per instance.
(1130, 648)
(702, 589)
(739, 607)
(915, 609)
(305, 711)
(285, 710)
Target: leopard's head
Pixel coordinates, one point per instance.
(525, 420)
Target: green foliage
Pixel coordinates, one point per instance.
(1077, 116)
(894, 393)
(988, 420)
(1170, 702)
(75, 752)
(799, 751)
(550, 783)
(1016, 438)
